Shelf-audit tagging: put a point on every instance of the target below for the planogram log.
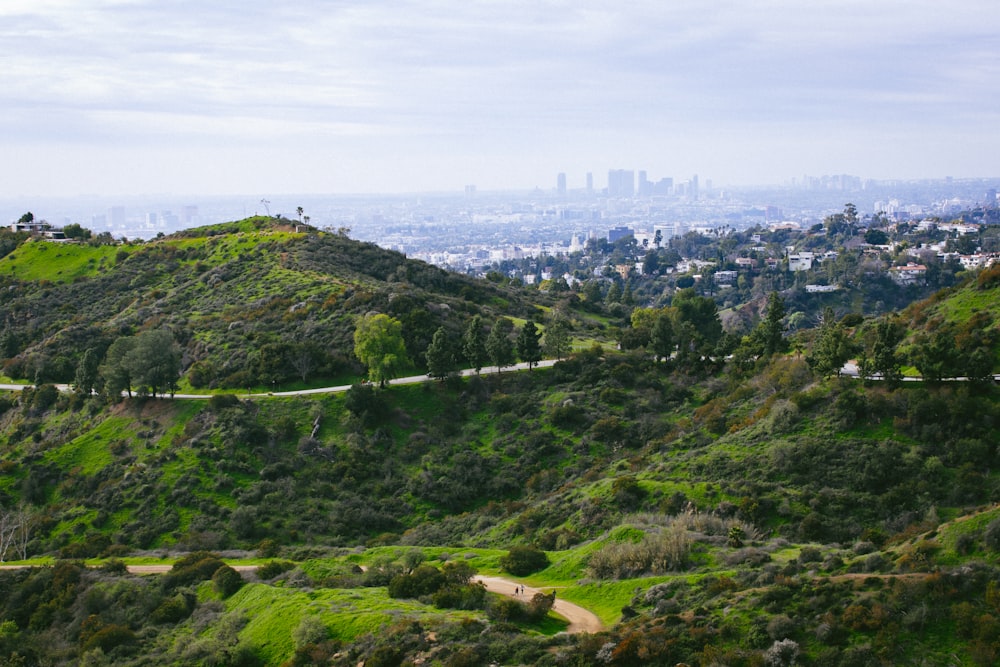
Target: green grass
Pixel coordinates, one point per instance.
(90, 452)
(275, 612)
(57, 262)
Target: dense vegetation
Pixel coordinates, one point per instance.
(751, 510)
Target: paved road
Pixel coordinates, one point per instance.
(414, 379)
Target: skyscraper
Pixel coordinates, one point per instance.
(621, 183)
(590, 183)
(561, 184)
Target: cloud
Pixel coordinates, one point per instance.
(460, 83)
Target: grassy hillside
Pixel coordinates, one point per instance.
(707, 514)
(231, 295)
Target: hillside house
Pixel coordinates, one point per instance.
(909, 274)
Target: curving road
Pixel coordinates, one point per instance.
(580, 620)
(413, 379)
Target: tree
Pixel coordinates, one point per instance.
(832, 347)
(935, 355)
(528, 348)
(499, 346)
(85, 380)
(116, 371)
(378, 343)
(15, 530)
(439, 355)
(524, 560)
(473, 345)
(876, 237)
(879, 355)
(772, 328)
(75, 231)
(557, 339)
(662, 337)
(155, 361)
(697, 327)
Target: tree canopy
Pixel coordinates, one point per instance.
(378, 343)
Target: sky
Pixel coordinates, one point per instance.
(125, 97)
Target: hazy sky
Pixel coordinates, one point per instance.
(333, 96)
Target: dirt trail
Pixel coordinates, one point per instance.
(580, 620)
(163, 569)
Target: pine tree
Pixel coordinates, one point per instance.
(499, 346)
(663, 339)
(85, 379)
(557, 340)
(439, 355)
(473, 345)
(832, 348)
(528, 349)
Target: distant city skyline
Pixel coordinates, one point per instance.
(126, 97)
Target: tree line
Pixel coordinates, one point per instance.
(379, 344)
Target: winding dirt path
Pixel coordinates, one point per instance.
(580, 620)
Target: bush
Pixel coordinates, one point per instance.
(171, 610)
(227, 581)
(196, 566)
(522, 561)
(110, 637)
(656, 553)
(274, 568)
(991, 536)
(782, 653)
(424, 580)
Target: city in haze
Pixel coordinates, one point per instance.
(120, 99)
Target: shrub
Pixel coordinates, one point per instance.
(991, 536)
(310, 631)
(524, 560)
(471, 596)
(424, 580)
(782, 653)
(227, 581)
(110, 637)
(657, 553)
(196, 566)
(274, 568)
(171, 610)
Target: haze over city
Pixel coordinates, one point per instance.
(113, 97)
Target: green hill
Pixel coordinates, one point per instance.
(708, 512)
(236, 296)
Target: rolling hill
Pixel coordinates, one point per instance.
(707, 515)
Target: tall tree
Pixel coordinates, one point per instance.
(85, 380)
(556, 341)
(697, 326)
(772, 328)
(879, 356)
(378, 343)
(832, 347)
(440, 355)
(155, 361)
(528, 348)
(662, 338)
(116, 370)
(473, 344)
(499, 346)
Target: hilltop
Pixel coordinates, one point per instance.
(243, 299)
